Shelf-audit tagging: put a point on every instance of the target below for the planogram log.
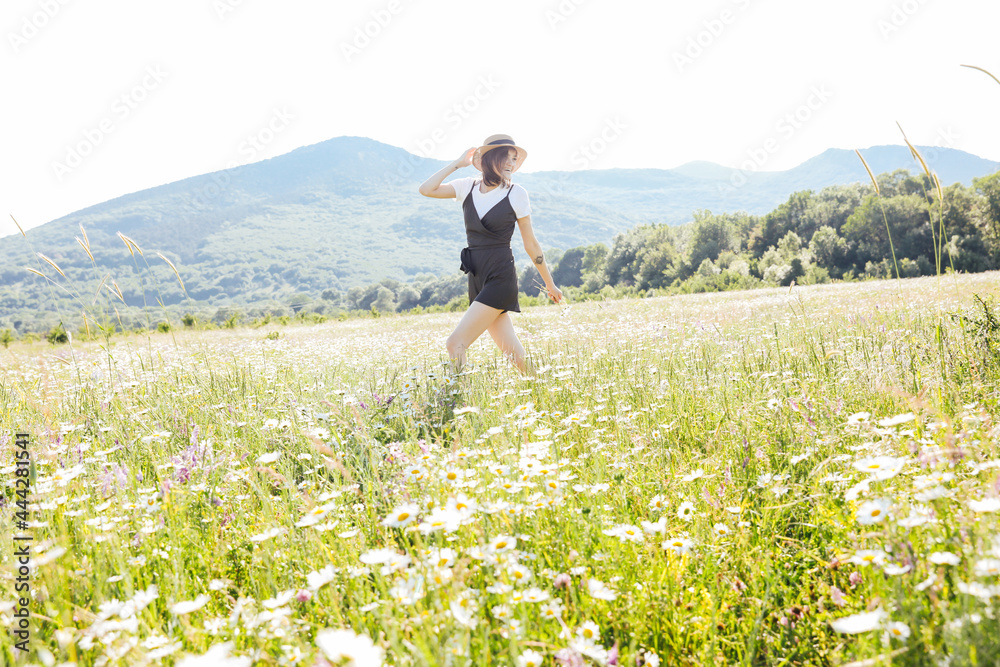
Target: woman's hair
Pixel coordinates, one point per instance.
(491, 163)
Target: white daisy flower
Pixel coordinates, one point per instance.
(401, 516)
(188, 606)
(896, 630)
(873, 511)
(985, 505)
(679, 545)
(944, 558)
(598, 589)
(857, 623)
(530, 659)
(357, 649)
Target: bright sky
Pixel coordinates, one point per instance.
(108, 97)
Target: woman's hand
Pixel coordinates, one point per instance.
(465, 160)
(554, 293)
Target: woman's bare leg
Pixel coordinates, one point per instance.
(476, 320)
(502, 330)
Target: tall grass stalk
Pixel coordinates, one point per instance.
(885, 218)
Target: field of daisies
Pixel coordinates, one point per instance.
(804, 476)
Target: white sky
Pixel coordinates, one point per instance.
(561, 74)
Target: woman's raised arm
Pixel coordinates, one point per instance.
(432, 187)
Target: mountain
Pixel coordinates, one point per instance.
(346, 212)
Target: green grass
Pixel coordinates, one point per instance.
(748, 405)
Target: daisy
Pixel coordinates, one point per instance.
(441, 518)
(464, 611)
(403, 515)
(408, 591)
(267, 534)
(867, 557)
(987, 567)
(415, 473)
(696, 474)
(519, 573)
(918, 517)
(315, 515)
(658, 527)
(188, 606)
(316, 580)
(873, 511)
(985, 505)
(452, 475)
(501, 612)
(377, 556)
(625, 532)
(893, 569)
(552, 609)
(686, 510)
(944, 558)
(679, 545)
(600, 590)
(658, 503)
(589, 632)
(881, 467)
(858, 417)
(535, 594)
(217, 656)
(442, 557)
(896, 630)
(857, 623)
(897, 420)
(926, 583)
(359, 650)
(530, 659)
(502, 543)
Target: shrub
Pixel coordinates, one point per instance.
(57, 335)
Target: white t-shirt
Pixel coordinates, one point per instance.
(484, 202)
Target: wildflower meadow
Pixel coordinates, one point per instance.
(793, 476)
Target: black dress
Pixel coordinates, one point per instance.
(488, 259)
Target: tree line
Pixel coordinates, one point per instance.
(848, 232)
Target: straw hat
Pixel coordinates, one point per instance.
(498, 141)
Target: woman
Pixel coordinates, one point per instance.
(491, 204)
